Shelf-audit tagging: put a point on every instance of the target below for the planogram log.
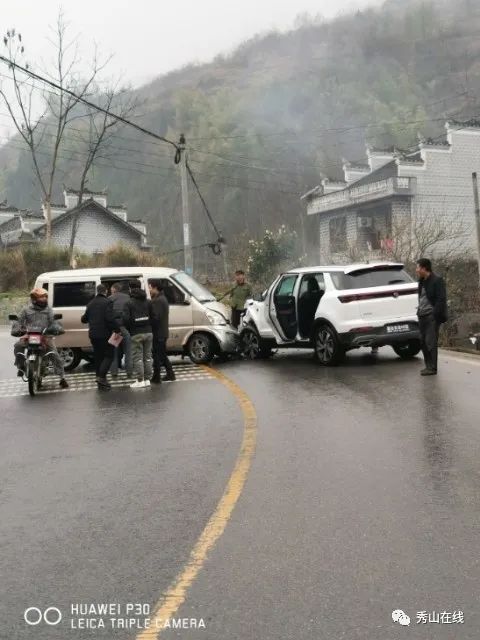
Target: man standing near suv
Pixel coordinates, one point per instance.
(238, 296)
(432, 312)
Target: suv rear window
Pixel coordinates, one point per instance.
(369, 278)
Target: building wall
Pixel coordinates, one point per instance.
(95, 233)
(444, 185)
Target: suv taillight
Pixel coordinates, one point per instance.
(355, 297)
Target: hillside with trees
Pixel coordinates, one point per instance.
(265, 122)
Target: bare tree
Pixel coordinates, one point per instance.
(98, 137)
(36, 110)
(429, 233)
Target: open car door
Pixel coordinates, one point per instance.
(283, 308)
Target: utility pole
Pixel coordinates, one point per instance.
(187, 239)
(477, 217)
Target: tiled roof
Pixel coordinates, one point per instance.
(412, 158)
(432, 142)
(468, 124)
(93, 204)
(387, 171)
(92, 193)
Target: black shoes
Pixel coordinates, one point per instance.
(428, 372)
(170, 377)
(103, 384)
(64, 384)
(156, 380)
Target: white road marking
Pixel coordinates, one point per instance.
(85, 381)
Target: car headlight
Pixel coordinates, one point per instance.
(216, 317)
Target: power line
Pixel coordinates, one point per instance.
(207, 211)
(83, 100)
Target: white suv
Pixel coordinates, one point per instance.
(333, 310)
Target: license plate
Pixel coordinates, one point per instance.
(398, 328)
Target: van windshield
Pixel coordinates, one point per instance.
(195, 289)
(373, 277)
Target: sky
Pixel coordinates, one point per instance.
(147, 38)
(150, 37)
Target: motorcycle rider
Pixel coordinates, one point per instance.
(37, 317)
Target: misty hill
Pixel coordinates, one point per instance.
(266, 121)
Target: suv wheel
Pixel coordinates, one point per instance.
(407, 350)
(328, 349)
(201, 348)
(253, 346)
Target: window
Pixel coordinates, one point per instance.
(338, 234)
(125, 282)
(198, 291)
(172, 293)
(306, 286)
(73, 294)
(286, 286)
(371, 277)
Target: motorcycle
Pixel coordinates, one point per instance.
(37, 360)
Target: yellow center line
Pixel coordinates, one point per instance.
(176, 594)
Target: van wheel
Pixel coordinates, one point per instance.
(253, 347)
(71, 357)
(328, 350)
(201, 348)
(408, 350)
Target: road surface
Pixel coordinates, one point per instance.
(362, 498)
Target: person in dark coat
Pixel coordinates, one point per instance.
(100, 317)
(120, 298)
(137, 321)
(432, 312)
(159, 310)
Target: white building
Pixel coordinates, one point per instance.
(98, 226)
(397, 189)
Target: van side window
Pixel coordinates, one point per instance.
(73, 294)
(172, 293)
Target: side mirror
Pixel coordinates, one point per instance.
(187, 299)
(13, 317)
(57, 316)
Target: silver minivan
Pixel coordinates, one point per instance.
(199, 325)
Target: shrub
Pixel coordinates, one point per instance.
(121, 255)
(268, 255)
(12, 271)
(19, 268)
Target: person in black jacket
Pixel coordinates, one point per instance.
(100, 317)
(432, 312)
(120, 298)
(159, 320)
(137, 321)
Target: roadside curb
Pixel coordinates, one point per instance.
(470, 352)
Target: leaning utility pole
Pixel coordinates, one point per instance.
(187, 240)
(477, 217)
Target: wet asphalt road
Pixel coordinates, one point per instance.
(363, 497)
